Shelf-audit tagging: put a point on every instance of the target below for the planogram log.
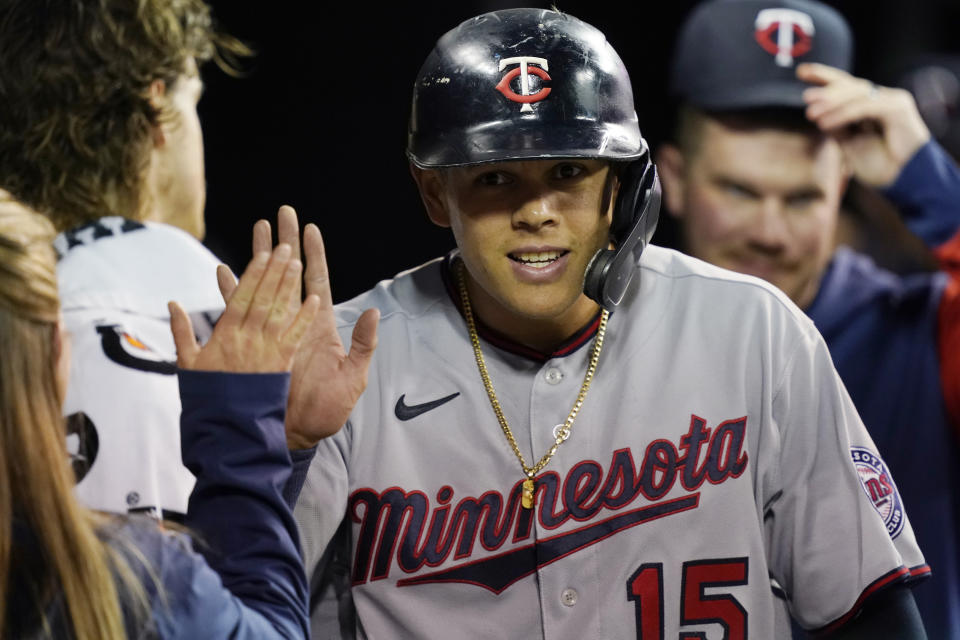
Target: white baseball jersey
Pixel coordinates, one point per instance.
(717, 451)
(115, 278)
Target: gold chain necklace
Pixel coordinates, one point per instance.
(529, 489)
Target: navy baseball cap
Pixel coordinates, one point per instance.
(743, 54)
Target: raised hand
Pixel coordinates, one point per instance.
(326, 380)
(260, 329)
(878, 128)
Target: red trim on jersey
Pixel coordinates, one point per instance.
(920, 572)
(900, 575)
(568, 346)
(948, 328)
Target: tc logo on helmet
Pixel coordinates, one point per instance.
(524, 71)
(794, 33)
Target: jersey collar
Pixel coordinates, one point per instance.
(581, 337)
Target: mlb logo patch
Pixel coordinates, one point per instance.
(878, 484)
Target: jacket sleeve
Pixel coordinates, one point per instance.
(927, 192)
(233, 441)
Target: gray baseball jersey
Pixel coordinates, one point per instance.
(717, 451)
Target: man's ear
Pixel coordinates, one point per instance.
(157, 95)
(672, 169)
(610, 192)
(430, 183)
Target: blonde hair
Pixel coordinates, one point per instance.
(75, 111)
(36, 481)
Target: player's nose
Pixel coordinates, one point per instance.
(769, 231)
(534, 213)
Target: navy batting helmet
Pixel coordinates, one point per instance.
(522, 83)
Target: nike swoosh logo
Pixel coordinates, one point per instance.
(404, 411)
(496, 573)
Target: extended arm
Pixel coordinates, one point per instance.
(887, 145)
(234, 393)
(233, 441)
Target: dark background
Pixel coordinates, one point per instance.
(319, 120)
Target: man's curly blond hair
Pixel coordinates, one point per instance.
(75, 114)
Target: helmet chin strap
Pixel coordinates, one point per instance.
(635, 218)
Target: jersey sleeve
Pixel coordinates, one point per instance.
(123, 409)
(927, 192)
(251, 584)
(836, 529)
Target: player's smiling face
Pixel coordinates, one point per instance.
(760, 201)
(526, 231)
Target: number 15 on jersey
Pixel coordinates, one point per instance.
(645, 590)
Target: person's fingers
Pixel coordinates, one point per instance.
(288, 229)
(316, 276)
(822, 99)
(850, 112)
(242, 296)
(303, 320)
(183, 336)
(286, 300)
(226, 281)
(266, 291)
(364, 340)
(262, 239)
(820, 74)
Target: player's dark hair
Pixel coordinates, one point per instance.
(75, 114)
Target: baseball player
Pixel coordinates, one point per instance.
(772, 127)
(568, 433)
(116, 86)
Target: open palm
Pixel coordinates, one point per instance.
(326, 380)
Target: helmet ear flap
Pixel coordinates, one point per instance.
(635, 216)
(596, 275)
(635, 182)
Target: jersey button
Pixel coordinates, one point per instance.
(568, 597)
(553, 375)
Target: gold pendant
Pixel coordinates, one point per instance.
(526, 495)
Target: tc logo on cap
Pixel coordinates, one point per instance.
(794, 32)
(524, 71)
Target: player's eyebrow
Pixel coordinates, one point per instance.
(812, 192)
(726, 182)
